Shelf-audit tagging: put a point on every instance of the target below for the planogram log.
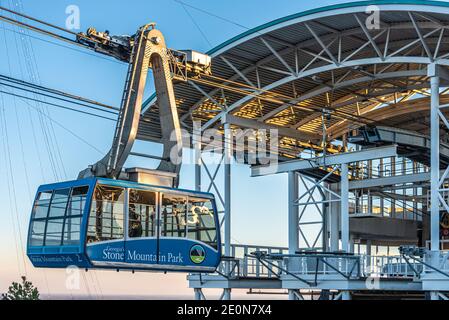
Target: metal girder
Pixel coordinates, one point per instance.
(314, 71)
(381, 56)
(282, 131)
(278, 56)
(348, 157)
(366, 45)
(341, 85)
(368, 35)
(311, 186)
(421, 38)
(435, 70)
(334, 33)
(321, 43)
(389, 181)
(193, 84)
(237, 71)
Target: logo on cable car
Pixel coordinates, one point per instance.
(197, 254)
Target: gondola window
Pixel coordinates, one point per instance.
(74, 214)
(106, 214)
(142, 214)
(200, 221)
(173, 215)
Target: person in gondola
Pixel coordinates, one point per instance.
(135, 229)
(135, 225)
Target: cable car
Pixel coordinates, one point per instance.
(123, 222)
(114, 224)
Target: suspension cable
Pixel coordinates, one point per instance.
(55, 105)
(337, 113)
(37, 29)
(55, 91)
(63, 127)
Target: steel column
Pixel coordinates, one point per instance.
(368, 252)
(325, 210)
(198, 295)
(293, 213)
(434, 160)
(228, 144)
(434, 295)
(351, 244)
(293, 219)
(334, 213)
(344, 208)
(346, 295)
(198, 175)
(197, 153)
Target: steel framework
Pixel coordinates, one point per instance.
(317, 76)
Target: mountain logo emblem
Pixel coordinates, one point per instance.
(197, 254)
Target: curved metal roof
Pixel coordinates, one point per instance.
(297, 70)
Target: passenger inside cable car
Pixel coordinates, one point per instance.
(83, 223)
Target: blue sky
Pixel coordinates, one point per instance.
(259, 211)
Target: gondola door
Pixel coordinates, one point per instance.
(106, 226)
(141, 242)
(172, 246)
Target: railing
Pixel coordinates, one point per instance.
(441, 263)
(444, 245)
(407, 208)
(363, 171)
(243, 265)
(354, 266)
(402, 209)
(251, 267)
(347, 266)
(278, 262)
(390, 267)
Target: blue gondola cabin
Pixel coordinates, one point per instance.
(114, 224)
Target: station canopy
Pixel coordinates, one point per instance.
(326, 71)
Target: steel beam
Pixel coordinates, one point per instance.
(389, 181)
(198, 88)
(282, 131)
(347, 157)
(321, 43)
(342, 85)
(314, 71)
(237, 71)
(277, 55)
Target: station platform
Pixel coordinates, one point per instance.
(361, 274)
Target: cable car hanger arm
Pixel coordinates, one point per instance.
(142, 51)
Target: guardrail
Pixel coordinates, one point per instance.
(323, 264)
(390, 267)
(363, 171)
(243, 265)
(441, 262)
(444, 245)
(354, 266)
